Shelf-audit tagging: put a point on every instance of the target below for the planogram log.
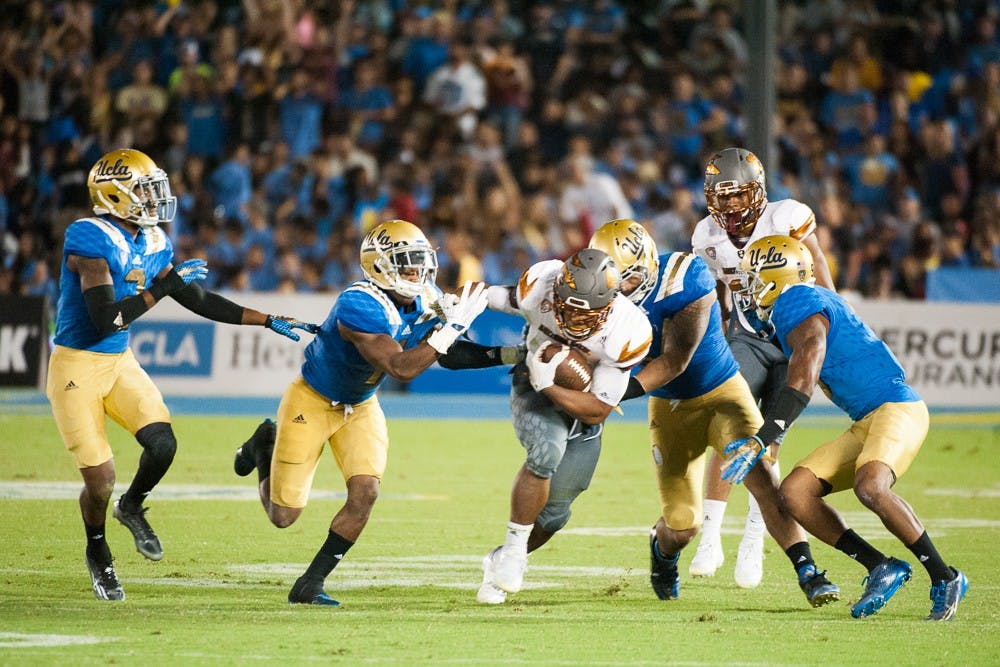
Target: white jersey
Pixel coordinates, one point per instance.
(786, 217)
(618, 345)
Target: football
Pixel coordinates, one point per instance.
(574, 372)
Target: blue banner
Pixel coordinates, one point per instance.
(173, 348)
(963, 284)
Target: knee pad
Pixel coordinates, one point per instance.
(554, 516)
(158, 441)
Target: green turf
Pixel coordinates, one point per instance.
(408, 587)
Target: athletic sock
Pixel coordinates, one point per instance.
(754, 529)
(331, 553)
(662, 557)
(857, 548)
(925, 552)
(711, 526)
(97, 546)
(801, 555)
(517, 538)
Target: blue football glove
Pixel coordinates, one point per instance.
(191, 270)
(741, 456)
(283, 324)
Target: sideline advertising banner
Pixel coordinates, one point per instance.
(951, 352)
(24, 333)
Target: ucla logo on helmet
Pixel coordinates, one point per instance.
(119, 171)
(772, 259)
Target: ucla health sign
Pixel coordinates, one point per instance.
(173, 348)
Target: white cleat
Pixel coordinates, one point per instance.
(707, 558)
(508, 570)
(749, 563)
(488, 593)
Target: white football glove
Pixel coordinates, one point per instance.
(543, 373)
(457, 314)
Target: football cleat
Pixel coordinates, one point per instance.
(818, 589)
(708, 557)
(246, 456)
(488, 593)
(945, 596)
(310, 591)
(146, 541)
(749, 563)
(106, 584)
(509, 569)
(881, 584)
(663, 574)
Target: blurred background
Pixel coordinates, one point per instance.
(506, 130)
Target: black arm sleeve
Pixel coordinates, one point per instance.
(209, 304)
(634, 390)
(465, 354)
(787, 406)
(109, 315)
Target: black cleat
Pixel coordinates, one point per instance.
(663, 574)
(310, 591)
(146, 541)
(106, 584)
(246, 456)
(818, 589)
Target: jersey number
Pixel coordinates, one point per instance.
(137, 276)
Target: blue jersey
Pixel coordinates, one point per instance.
(859, 372)
(334, 367)
(684, 278)
(133, 263)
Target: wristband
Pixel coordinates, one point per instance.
(168, 284)
(442, 339)
(787, 406)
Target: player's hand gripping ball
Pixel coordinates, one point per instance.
(574, 372)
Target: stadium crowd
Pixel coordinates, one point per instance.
(508, 131)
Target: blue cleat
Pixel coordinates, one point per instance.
(945, 596)
(882, 583)
(310, 591)
(818, 589)
(663, 574)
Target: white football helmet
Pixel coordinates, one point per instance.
(394, 248)
(127, 184)
(634, 253)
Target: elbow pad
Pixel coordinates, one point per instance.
(109, 315)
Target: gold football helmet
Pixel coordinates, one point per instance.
(634, 252)
(772, 265)
(583, 293)
(734, 191)
(127, 184)
(396, 256)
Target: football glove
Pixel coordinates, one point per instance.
(456, 315)
(742, 456)
(191, 270)
(543, 373)
(283, 325)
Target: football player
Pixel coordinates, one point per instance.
(827, 343)
(740, 214)
(116, 266)
(395, 322)
(698, 401)
(575, 303)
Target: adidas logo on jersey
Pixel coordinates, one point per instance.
(70, 385)
(299, 420)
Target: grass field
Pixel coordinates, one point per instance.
(408, 587)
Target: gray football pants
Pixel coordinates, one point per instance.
(762, 364)
(559, 448)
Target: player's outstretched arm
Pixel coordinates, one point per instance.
(820, 268)
(464, 354)
(110, 315)
(220, 309)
